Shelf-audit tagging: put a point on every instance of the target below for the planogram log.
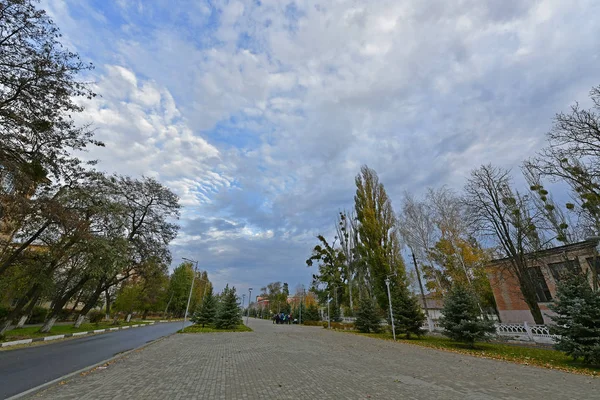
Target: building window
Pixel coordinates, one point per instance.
(541, 289)
(560, 269)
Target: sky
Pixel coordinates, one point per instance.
(259, 114)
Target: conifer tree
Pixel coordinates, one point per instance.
(208, 310)
(336, 313)
(578, 319)
(228, 315)
(367, 318)
(408, 316)
(461, 317)
(311, 313)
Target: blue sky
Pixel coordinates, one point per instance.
(259, 114)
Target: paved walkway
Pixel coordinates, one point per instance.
(295, 362)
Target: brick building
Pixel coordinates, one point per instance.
(546, 268)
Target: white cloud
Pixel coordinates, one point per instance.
(263, 114)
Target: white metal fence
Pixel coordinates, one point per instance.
(521, 332)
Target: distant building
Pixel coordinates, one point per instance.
(547, 268)
(435, 304)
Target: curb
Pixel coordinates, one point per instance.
(88, 368)
(67, 335)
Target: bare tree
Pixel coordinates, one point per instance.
(418, 232)
(506, 217)
(347, 236)
(573, 156)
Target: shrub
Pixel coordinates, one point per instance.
(367, 319)
(339, 325)
(578, 312)
(461, 317)
(95, 316)
(38, 315)
(313, 323)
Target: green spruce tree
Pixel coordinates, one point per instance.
(311, 313)
(367, 318)
(336, 313)
(408, 316)
(461, 320)
(578, 319)
(228, 315)
(299, 309)
(207, 311)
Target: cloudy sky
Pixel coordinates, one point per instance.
(259, 113)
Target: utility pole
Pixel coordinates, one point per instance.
(387, 283)
(429, 322)
(249, 299)
(190, 295)
(301, 305)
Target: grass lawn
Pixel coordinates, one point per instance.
(211, 329)
(540, 357)
(33, 331)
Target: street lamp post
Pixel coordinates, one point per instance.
(387, 283)
(190, 295)
(328, 314)
(249, 299)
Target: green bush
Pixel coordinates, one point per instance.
(38, 315)
(95, 316)
(313, 323)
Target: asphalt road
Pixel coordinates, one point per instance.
(29, 367)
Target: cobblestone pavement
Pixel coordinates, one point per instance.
(295, 362)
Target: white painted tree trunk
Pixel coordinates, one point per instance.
(79, 321)
(4, 327)
(128, 317)
(22, 321)
(48, 325)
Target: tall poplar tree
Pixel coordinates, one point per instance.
(378, 238)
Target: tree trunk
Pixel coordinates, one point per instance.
(4, 326)
(28, 311)
(79, 321)
(15, 255)
(531, 300)
(22, 321)
(107, 295)
(16, 312)
(89, 304)
(77, 301)
(48, 324)
(60, 303)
